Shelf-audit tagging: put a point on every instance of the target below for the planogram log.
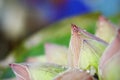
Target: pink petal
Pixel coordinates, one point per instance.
(76, 41)
(88, 35)
(105, 29)
(74, 75)
(111, 69)
(74, 47)
(20, 71)
(56, 53)
(112, 49)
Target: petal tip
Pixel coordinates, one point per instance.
(74, 28)
(102, 18)
(118, 34)
(12, 65)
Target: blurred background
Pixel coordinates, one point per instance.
(20, 20)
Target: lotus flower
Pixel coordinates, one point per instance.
(86, 56)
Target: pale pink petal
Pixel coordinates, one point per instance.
(36, 59)
(105, 29)
(112, 49)
(21, 71)
(56, 53)
(111, 69)
(78, 35)
(74, 47)
(74, 75)
(86, 35)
